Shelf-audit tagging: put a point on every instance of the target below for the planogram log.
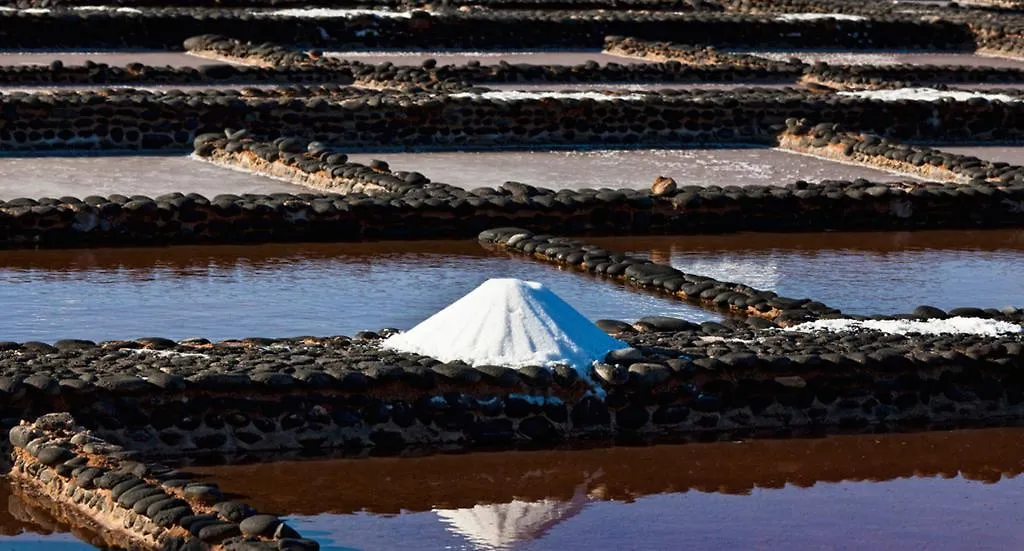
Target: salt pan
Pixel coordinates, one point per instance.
(512, 323)
(974, 326)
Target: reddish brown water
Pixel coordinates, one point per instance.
(626, 168)
(150, 175)
(540, 57)
(221, 292)
(322, 289)
(861, 273)
(110, 57)
(941, 490)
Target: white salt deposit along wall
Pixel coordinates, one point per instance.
(924, 94)
(512, 323)
(974, 326)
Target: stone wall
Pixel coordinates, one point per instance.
(166, 28)
(679, 380)
(377, 203)
(133, 120)
(831, 142)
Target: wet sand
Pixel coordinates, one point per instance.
(110, 57)
(625, 168)
(151, 175)
(935, 490)
(542, 57)
(859, 273)
(837, 57)
(274, 290)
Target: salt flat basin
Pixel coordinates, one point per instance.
(625, 168)
(1013, 154)
(838, 57)
(110, 57)
(632, 87)
(931, 490)
(222, 292)
(151, 175)
(538, 57)
(859, 273)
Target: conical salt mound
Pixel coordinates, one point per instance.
(508, 322)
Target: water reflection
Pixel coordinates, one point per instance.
(861, 273)
(273, 290)
(851, 492)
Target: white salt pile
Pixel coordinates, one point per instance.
(974, 326)
(924, 94)
(512, 323)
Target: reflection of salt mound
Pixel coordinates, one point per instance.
(508, 322)
(502, 525)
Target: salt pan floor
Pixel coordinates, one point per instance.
(625, 168)
(151, 175)
(542, 57)
(110, 57)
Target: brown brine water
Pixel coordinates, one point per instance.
(222, 292)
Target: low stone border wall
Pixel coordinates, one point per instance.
(906, 75)
(381, 204)
(695, 55)
(137, 73)
(830, 142)
(136, 505)
(733, 298)
(360, 118)
(678, 380)
(165, 28)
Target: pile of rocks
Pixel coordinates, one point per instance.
(142, 505)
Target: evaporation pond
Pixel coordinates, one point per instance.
(860, 273)
(626, 168)
(222, 292)
(938, 491)
(1013, 154)
(150, 175)
(536, 57)
(117, 58)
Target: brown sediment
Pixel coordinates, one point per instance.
(839, 152)
(321, 179)
(255, 61)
